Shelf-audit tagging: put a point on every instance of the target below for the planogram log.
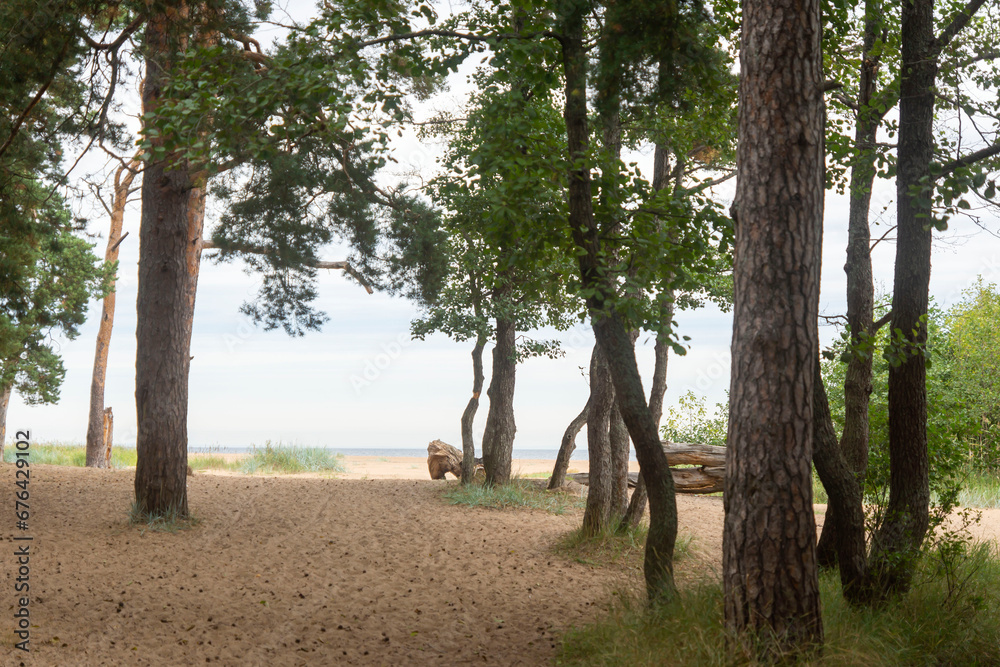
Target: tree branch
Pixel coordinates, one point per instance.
(971, 158)
(957, 24)
(208, 244)
(113, 46)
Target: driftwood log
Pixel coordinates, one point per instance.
(707, 477)
(443, 458)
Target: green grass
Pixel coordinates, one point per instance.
(622, 548)
(926, 627)
(980, 489)
(160, 523)
(281, 459)
(268, 459)
(518, 494)
(68, 455)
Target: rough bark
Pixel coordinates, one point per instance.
(169, 251)
(770, 576)
(845, 493)
(618, 441)
(901, 533)
(97, 455)
(566, 448)
(597, 516)
(469, 415)
(860, 286)
(498, 436)
(609, 330)
(108, 431)
(443, 458)
(4, 403)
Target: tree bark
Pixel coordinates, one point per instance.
(469, 415)
(860, 286)
(566, 448)
(169, 252)
(770, 576)
(845, 493)
(901, 533)
(4, 403)
(609, 330)
(597, 516)
(618, 441)
(498, 437)
(96, 449)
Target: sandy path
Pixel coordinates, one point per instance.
(297, 571)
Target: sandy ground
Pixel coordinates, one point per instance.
(373, 568)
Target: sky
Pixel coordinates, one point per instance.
(362, 382)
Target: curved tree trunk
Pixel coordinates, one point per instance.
(609, 330)
(566, 448)
(898, 539)
(498, 437)
(597, 516)
(468, 444)
(173, 205)
(845, 492)
(860, 286)
(97, 454)
(619, 446)
(770, 576)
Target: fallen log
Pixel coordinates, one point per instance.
(708, 477)
(442, 458)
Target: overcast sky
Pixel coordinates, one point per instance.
(361, 381)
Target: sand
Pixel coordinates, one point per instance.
(373, 568)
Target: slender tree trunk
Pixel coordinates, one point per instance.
(609, 330)
(4, 403)
(770, 576)
(96, 446)
(898, 539)
(845, 494)
(619, 444)
(566, 448)
(597, 516)
(169, 251)
(498, 437)
(860, 286)
(468, 444)
(637, 505)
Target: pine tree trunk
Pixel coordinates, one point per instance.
(169, 251)
(4, 403)
(860, 286)
(469, 416)
(770, 576)
(498, 437)
(597, 516)
(895, 545)
(96, 445)
(619, 443)
(566, 448)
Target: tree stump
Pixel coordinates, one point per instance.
(443, 458)
(109, 428)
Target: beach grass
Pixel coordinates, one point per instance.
(279, 458)
(519, 493)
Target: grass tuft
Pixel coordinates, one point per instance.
(280, 459)
(931, 626)
(624, 547)
(69, 455)
(168, 522)
(517, 494)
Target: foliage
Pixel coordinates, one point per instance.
(933, 625)
(974, 347)
(516, 494)
(948, 422)
(690, 421)
(61, 276)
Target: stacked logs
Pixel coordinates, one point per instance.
(707, 477)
